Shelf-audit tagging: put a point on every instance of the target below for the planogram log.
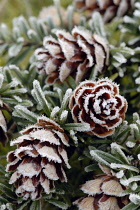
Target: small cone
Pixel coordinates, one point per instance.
(37, 161)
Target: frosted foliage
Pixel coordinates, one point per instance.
(137, 80)
(135, 198)
(71, 55)
(100, 105)
(1, 80)
(37, 162)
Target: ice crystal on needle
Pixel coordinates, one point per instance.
(100, 105)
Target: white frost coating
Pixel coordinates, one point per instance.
(40, 53)
(106, 80)
(135, 198)
(116, 165)
(99, 57)
(49, 39)
(64, 71)
(85, 49)
(92, 187)
(86, 102)
(1, 79)
(22, 149)
(97, 107)
(81, 91)
(3, 122)
(47, 120)
(3, 207)
(62, 137)
(137, 81)
(64, 34)
(67, 48)
(50, 153)
(64, 115)
(130, 144)
(98, 158)
(14, 177)
(116, 190)
(101, 92)
(120, 174)
(46, 186)
(11, 164)
(54, 112)
(28, 169)
(28, 128)
(64, 156)
(20, 139)
(50, 172)
(85, 204)
(28, 185)
(64, 175)
(79, 31)
(53, 49)
(31, 32)
(50, 67)
(45, 135)
(96, 120)
(32, 194)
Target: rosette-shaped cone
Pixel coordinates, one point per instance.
(37, 161)
(100, 105)
(72, 54)
(108, 8)
(104, 193)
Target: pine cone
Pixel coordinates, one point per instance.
(74, 54)
(108, 8)
(38, 159)
(104, 192)
(100, 105)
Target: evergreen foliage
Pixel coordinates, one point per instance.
(95, 121)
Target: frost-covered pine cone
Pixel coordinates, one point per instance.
(100, 105)
(104, 193)
(72, 54)
(108, 8)
(37, 161)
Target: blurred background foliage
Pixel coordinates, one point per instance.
(10, 9)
